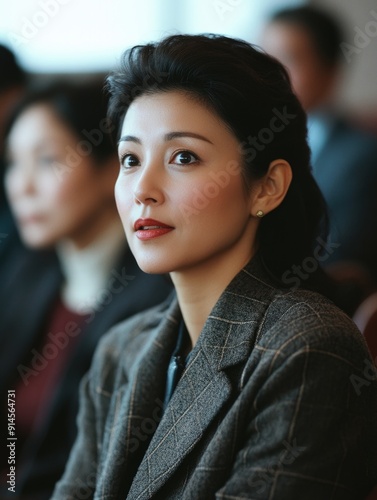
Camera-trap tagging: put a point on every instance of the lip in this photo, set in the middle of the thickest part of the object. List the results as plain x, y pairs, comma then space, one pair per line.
147, 229
30, 219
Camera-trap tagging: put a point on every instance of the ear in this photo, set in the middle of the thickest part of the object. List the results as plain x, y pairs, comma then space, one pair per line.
270, 191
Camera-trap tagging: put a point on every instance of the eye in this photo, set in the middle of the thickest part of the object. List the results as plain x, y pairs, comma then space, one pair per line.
47, 160
129, 160
185, 158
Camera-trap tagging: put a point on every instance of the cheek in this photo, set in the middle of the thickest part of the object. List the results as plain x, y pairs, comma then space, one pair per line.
72, 187
213, 204
56, 194
122, 197
63, 199
10, 185
229, 203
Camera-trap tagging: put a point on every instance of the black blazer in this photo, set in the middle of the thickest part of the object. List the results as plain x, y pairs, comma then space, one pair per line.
30, 285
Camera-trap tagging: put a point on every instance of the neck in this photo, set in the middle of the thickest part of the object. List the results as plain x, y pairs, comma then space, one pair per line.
199, 289
87, 269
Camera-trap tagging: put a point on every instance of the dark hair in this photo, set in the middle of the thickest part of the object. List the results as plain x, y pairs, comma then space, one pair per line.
324, 31
81, 107
11, 72
251, 92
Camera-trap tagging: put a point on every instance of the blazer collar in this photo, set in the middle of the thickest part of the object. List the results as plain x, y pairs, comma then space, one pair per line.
232, 327
227, 339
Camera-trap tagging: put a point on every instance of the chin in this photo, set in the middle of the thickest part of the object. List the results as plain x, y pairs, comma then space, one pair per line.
154, 269
35, 241
153, 266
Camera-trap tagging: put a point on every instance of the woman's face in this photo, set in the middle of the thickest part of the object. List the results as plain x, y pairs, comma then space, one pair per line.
54, 191
180, 191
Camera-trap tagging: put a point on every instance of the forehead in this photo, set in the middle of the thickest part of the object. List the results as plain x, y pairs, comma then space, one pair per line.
169, 111
283, 39
37, 124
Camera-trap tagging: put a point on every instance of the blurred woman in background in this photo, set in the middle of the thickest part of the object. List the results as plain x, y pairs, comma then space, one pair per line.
61, 170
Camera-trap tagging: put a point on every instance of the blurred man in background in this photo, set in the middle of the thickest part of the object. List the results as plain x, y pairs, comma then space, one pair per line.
308, 42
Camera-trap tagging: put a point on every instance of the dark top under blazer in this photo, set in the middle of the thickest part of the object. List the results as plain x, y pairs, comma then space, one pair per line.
268, 406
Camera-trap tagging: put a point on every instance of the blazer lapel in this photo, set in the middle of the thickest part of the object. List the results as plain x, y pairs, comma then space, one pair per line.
205, 387
190, 411
137, 408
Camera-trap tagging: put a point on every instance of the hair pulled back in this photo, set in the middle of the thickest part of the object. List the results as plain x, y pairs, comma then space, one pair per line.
251, 92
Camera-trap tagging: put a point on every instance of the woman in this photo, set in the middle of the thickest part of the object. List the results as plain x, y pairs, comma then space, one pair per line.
75, 279
243, 386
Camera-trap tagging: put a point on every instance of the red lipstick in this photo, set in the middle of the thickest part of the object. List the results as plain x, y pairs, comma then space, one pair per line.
147, 229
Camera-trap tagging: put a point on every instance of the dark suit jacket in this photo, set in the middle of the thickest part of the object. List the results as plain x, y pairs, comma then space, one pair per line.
270, 405
346, 172
30, 285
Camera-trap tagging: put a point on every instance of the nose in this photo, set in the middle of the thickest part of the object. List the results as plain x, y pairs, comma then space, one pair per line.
148, 188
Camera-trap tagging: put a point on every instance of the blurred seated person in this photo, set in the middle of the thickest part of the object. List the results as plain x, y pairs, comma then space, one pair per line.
80, 277
344, 158
13, 80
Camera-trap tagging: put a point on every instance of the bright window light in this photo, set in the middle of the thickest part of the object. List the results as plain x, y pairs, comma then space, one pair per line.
89, 35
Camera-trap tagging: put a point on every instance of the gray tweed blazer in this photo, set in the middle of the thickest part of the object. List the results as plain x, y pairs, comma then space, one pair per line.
278, 401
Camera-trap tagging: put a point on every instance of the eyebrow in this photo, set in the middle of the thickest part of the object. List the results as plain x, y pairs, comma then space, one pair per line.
168, 137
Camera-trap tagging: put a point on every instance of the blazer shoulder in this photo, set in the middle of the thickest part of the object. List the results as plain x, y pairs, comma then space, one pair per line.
302, 319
